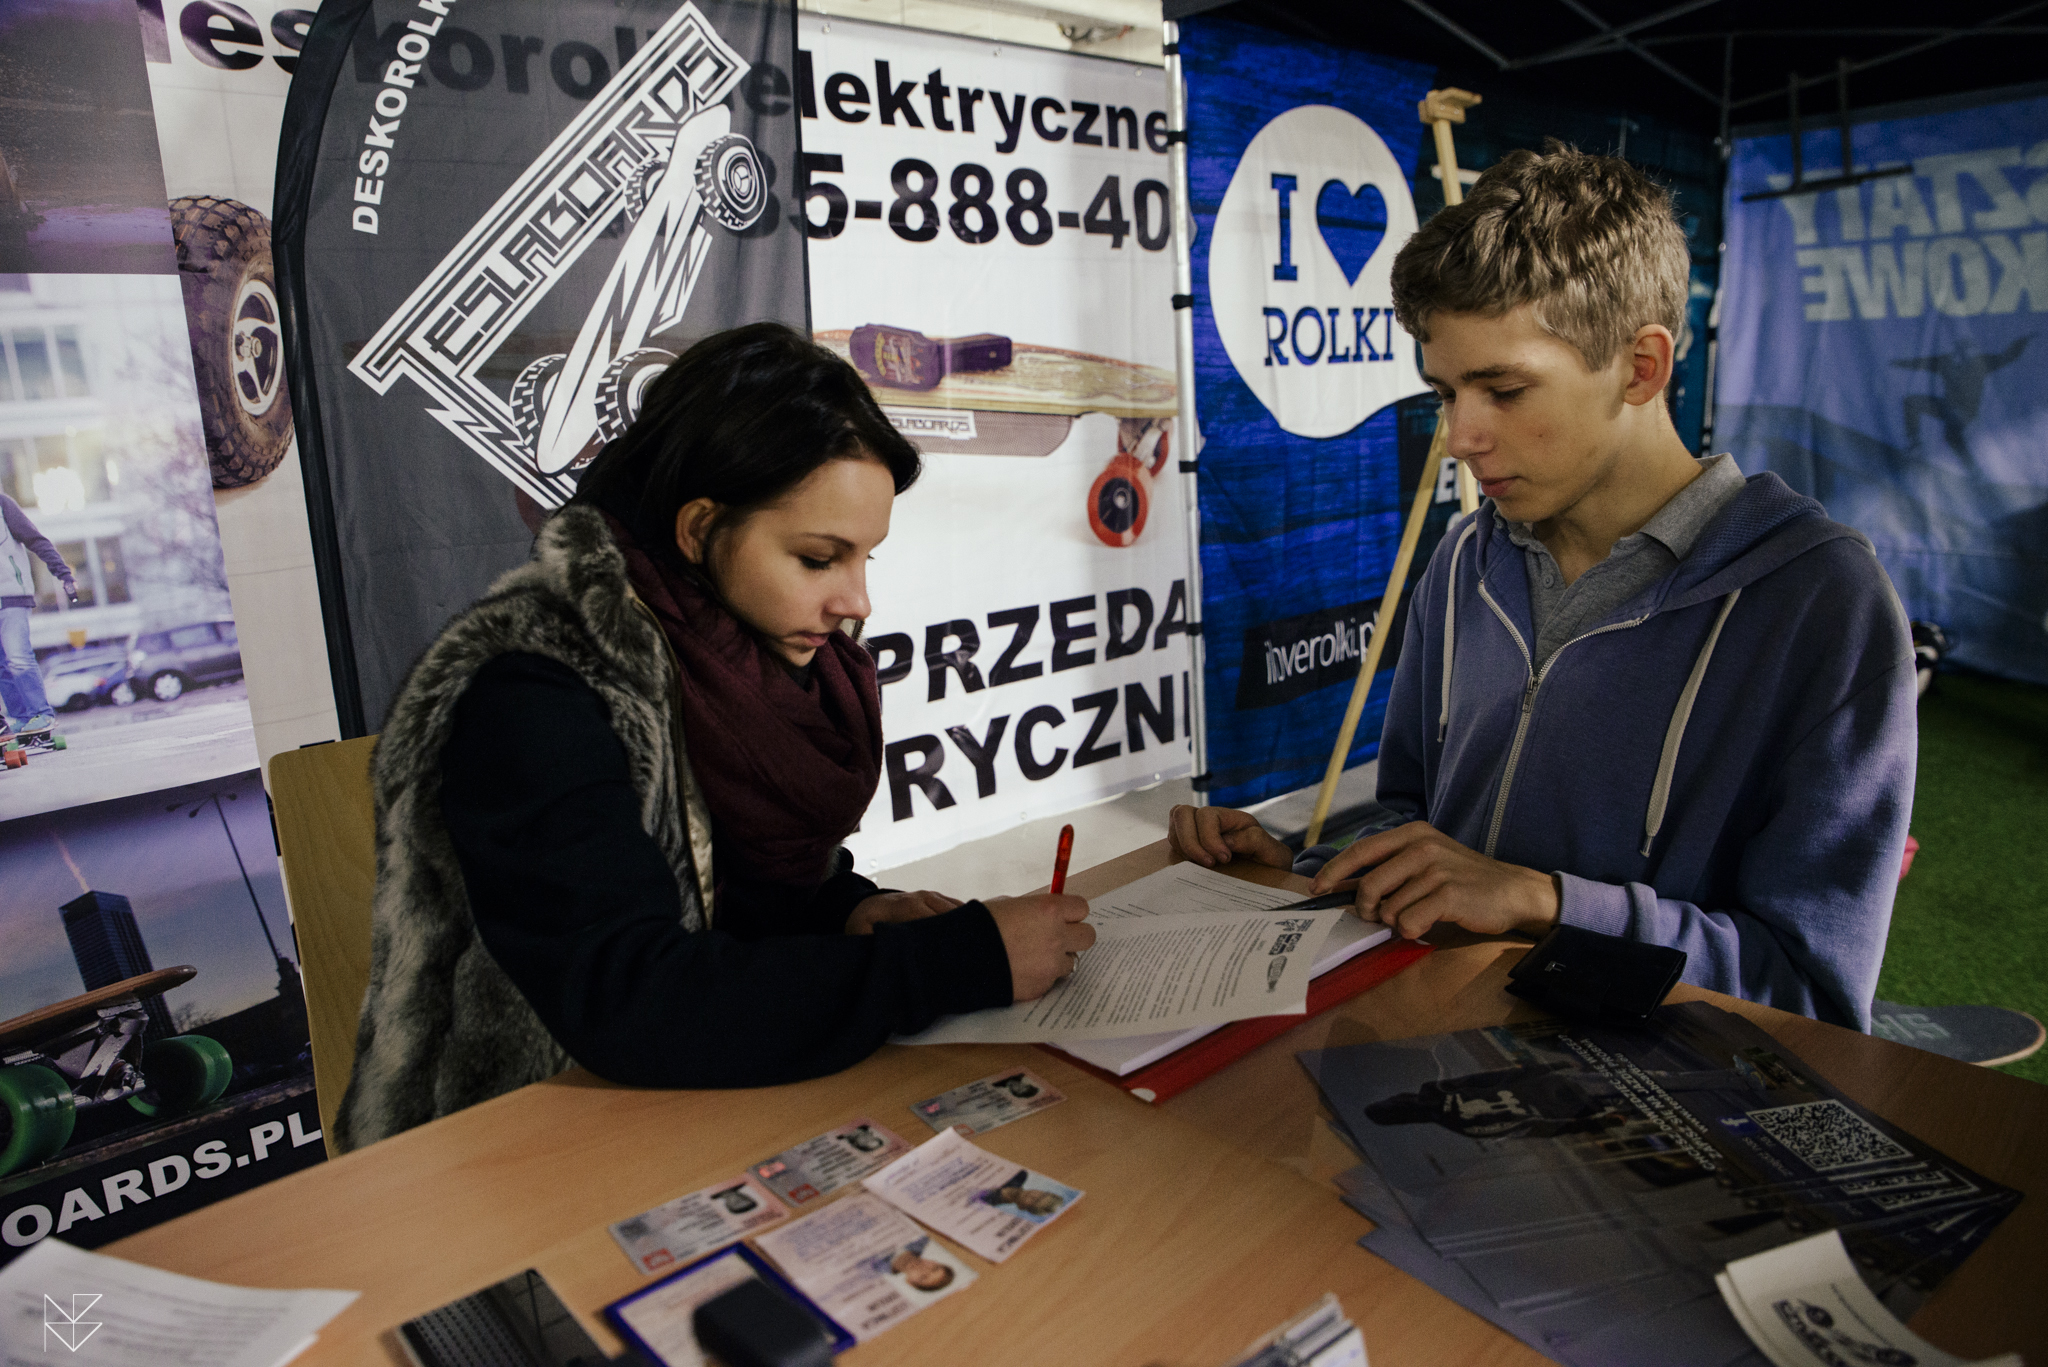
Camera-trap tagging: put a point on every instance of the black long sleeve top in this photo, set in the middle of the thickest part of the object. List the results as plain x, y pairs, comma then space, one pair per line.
577, 904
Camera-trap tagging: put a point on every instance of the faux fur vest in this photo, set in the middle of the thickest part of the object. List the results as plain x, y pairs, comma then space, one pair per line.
442, 1026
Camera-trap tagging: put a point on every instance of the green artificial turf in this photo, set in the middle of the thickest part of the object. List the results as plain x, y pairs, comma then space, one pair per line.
1971, 921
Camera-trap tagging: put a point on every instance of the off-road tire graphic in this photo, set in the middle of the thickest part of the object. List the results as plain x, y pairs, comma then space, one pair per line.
624, 386
732, 181
530, 395
231, 314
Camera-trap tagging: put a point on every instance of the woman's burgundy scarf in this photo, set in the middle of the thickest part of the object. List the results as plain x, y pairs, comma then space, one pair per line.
786, 770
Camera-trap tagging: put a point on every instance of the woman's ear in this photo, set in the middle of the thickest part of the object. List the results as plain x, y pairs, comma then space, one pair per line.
693, 528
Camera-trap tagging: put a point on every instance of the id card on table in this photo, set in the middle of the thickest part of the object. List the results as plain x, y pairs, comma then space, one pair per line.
818, 1167
991, 1101
676, 1231
968, 1194
865, 1264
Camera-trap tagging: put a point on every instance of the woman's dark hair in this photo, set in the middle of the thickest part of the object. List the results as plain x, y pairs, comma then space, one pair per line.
741, 418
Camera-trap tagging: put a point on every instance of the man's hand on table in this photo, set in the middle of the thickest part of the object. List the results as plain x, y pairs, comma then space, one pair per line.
1211, 836
1415, 876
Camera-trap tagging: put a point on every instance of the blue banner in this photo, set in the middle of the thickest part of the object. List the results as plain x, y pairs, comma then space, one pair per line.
1300, 166
1882, 348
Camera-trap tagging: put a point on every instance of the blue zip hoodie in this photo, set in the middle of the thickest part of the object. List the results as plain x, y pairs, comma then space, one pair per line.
1723, 765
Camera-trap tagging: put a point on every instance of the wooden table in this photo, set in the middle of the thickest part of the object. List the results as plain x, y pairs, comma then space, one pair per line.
1989, 1121
1207, 1221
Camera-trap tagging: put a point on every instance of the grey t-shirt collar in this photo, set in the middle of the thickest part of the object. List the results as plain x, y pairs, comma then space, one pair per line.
1677, 525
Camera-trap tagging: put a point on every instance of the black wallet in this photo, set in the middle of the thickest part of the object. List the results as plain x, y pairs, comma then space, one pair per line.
1593, 977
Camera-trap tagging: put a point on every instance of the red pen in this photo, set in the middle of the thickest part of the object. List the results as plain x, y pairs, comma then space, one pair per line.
1059, 862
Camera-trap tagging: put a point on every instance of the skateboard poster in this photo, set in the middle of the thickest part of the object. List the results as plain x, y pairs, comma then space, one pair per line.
498, 222
120, 657
988, 236
218, 80
1300, 159
153, 1036
1914, 302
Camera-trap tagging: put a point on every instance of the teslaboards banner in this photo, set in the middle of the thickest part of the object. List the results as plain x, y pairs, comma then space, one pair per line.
500, 219
1299, 167
1882, 349
989, 233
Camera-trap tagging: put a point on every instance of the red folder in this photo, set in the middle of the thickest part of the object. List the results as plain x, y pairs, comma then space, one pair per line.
1183, 1068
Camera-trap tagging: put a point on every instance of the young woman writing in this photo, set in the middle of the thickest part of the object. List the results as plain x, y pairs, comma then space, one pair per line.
610, 797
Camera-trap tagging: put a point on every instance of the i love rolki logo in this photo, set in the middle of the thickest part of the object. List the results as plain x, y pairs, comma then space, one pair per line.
71, 1329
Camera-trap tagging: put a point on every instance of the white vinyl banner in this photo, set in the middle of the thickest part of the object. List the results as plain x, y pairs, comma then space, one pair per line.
989, 229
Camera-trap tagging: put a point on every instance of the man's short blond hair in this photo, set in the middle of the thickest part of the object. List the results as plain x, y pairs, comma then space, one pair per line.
1592, 242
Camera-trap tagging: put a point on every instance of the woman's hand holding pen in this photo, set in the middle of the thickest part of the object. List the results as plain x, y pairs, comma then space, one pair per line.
1042, 934
1415, 876
883, 907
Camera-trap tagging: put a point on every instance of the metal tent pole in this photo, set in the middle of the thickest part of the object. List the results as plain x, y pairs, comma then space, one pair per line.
1190, 440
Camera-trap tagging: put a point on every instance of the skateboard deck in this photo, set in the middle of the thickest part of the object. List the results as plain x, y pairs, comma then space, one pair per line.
1039, 379
58, 1017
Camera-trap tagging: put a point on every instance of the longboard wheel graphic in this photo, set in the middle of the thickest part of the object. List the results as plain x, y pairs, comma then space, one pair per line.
1120, 501
732, 182
37, 1112
640, 186
1121, 498
530, 395
182, 1074
624, 388
14, 759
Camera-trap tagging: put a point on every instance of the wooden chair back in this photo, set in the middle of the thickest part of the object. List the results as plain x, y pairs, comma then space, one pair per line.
327, 838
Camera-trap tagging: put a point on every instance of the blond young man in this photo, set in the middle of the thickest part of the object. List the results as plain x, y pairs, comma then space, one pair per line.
1638, 693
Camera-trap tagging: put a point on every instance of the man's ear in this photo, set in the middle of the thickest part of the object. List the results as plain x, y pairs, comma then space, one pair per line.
1652, 356
693, 527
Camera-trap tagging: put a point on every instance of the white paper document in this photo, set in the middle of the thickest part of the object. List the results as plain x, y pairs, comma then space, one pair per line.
1805, 1305
968, 1194
1179, 949
865, 1264
59, 1303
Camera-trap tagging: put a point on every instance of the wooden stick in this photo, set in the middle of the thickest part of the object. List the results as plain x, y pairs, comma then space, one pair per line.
1440, 109
1390, 602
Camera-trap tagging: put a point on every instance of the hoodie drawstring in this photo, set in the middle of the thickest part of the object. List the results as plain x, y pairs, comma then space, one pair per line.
1443, 716
1674, 734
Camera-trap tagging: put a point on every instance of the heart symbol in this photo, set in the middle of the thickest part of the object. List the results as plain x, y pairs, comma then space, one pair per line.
1352, 224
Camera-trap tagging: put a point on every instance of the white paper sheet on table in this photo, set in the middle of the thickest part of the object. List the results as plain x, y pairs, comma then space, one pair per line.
123, 1314
1805, 1305
1179, 949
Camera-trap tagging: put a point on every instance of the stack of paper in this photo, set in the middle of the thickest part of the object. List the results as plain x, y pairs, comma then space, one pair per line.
1177, 954
59, 1303
1581, 1186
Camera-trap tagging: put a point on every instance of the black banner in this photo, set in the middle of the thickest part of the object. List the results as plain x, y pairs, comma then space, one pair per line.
497, 220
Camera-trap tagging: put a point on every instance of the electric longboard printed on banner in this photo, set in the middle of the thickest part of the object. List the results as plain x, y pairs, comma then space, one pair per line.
988, 395
91, 1050
656, 145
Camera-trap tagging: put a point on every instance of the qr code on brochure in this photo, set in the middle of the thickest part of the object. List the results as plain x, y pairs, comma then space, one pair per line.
1827, 1135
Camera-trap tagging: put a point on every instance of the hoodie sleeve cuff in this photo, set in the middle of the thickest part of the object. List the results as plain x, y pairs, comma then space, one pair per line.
1593, 906
956, 959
